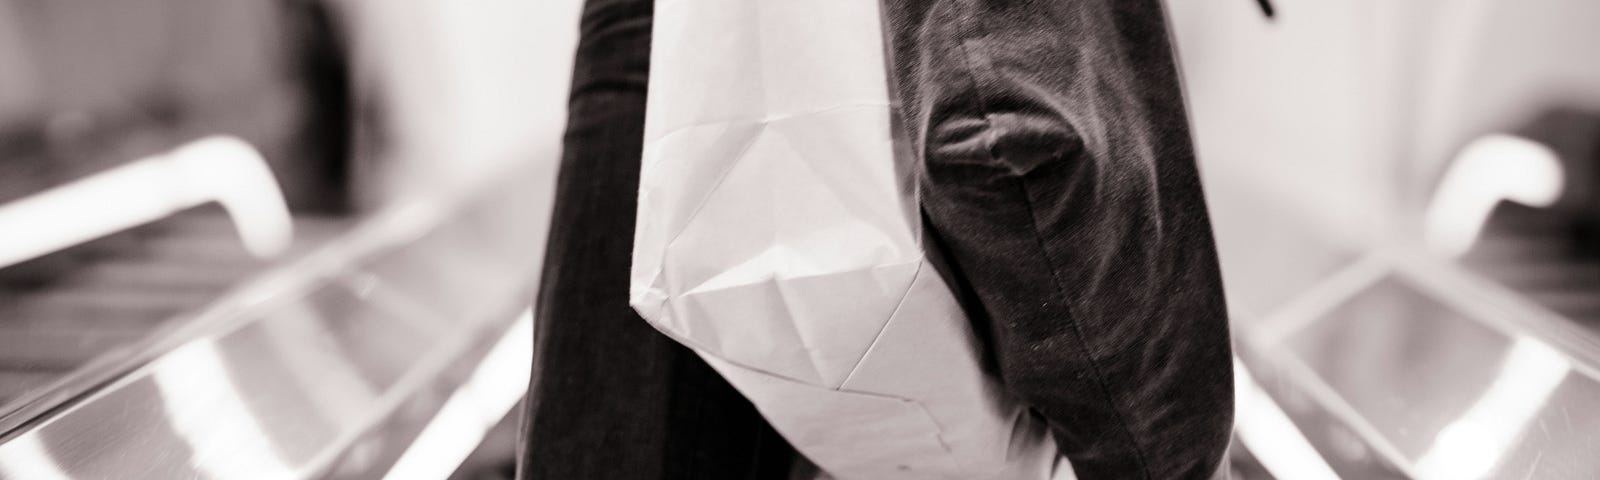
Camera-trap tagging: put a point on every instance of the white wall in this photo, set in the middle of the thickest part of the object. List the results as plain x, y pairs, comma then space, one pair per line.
1288, 109
1343, 112
471, 83
1495, 63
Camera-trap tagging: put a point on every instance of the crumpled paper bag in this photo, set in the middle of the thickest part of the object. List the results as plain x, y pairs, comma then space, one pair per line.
778, 237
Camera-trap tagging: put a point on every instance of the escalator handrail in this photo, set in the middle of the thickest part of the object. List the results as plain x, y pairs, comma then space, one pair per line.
218, 169
392, 226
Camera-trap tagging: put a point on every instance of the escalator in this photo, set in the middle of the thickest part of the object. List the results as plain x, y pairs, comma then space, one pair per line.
380, 343
1405, 362
177, 354
181, 341
135, 286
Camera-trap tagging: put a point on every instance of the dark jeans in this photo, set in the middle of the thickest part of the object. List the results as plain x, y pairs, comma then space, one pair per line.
611, 398
1059, 181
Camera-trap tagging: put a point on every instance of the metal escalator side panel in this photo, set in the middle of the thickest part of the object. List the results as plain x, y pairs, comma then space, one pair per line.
312, 369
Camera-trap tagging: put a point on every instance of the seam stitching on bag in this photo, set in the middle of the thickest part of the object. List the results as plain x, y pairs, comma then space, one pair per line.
970, 60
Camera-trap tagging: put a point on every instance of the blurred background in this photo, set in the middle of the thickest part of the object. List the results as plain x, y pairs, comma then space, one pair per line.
1405, 196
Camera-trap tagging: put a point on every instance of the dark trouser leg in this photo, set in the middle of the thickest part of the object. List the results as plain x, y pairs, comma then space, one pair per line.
1060, 181
611, 397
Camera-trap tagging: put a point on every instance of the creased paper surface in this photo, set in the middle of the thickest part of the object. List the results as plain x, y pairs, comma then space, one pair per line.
776, 238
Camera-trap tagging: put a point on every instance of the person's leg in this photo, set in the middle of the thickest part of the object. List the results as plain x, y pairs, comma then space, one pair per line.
1060, 181
611, 397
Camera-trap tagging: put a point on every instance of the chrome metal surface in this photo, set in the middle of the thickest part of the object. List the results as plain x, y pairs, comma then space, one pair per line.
1429, 372
1394, 363
1449, 395
291, 375
65, 334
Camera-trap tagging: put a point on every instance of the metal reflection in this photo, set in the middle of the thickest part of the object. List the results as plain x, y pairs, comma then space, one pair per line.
1266, 430
1490, 170
26, 457
205, 408
470, 412
1433, 383
318, 364
322, 368
1471, 446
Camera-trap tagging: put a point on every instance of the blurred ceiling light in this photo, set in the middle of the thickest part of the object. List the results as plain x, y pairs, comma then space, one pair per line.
1489, 170
221, 169
1266, 430
1470, 447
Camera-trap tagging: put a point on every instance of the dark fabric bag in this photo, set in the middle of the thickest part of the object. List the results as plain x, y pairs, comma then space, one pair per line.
1060, 181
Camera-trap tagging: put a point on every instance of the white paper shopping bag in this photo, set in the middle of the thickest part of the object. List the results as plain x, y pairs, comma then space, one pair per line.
778, 238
